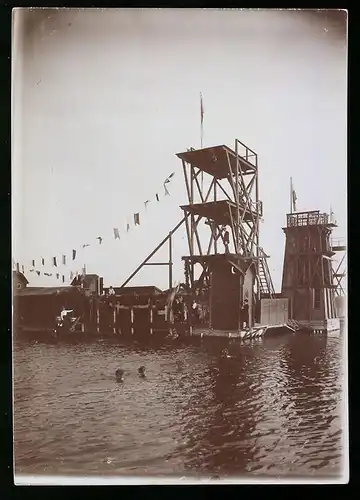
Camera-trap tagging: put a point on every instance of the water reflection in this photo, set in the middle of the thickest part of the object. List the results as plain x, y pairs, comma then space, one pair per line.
271, 408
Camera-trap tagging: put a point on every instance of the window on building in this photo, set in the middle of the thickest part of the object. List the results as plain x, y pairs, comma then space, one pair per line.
317, 298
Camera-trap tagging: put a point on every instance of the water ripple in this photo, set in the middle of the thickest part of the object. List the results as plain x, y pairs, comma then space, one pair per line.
272, 409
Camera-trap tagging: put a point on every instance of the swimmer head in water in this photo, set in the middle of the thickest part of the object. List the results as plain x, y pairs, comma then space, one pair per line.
141, 371
119, 374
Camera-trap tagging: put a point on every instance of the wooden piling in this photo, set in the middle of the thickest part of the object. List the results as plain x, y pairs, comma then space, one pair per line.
132, 320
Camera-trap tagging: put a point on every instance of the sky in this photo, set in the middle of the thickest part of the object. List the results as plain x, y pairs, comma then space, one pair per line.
104, 99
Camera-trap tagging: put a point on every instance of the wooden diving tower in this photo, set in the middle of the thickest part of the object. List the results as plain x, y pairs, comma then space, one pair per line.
308, 276
222, 223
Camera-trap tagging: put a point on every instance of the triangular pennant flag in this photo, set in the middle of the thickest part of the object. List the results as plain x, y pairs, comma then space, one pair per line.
166, 191
157, 197
43, 261
38, 273
54, 261
100, 239
146, 203
33, 263
116, 233
64, 260
73, 254
137, 219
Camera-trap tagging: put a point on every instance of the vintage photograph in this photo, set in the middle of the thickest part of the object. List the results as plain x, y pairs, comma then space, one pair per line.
179, 241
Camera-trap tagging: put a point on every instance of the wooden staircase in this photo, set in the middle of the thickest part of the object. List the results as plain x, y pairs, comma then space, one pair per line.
264, 278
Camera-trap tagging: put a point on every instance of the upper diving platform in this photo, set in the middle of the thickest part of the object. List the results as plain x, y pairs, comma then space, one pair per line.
224, 211
220, 161
311, 218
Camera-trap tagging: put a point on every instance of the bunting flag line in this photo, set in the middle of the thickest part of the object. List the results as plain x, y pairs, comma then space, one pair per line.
64, 258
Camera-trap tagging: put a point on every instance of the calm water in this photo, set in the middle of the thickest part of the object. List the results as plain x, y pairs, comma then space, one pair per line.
274, 408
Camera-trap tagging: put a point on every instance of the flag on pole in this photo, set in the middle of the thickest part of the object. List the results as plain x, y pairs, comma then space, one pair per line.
157, 197
54, 261
137, 219
73, 254
201, 133
100, 239
294, 198
33, 263
201, 109
116, 233
42, 261
63, 278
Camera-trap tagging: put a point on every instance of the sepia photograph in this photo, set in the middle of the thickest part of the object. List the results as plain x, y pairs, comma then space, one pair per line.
179, 246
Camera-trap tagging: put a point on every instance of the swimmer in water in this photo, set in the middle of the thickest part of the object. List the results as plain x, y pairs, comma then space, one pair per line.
119, 374
141, 372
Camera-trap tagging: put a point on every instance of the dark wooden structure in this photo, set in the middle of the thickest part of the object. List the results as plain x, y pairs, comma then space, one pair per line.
19, 281
222, 224
307, 272
36, 308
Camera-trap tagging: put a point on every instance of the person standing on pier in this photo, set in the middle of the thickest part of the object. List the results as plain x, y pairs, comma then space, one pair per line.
245, 313
226, 239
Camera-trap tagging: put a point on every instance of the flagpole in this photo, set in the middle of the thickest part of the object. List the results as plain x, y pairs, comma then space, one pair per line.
201, 134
